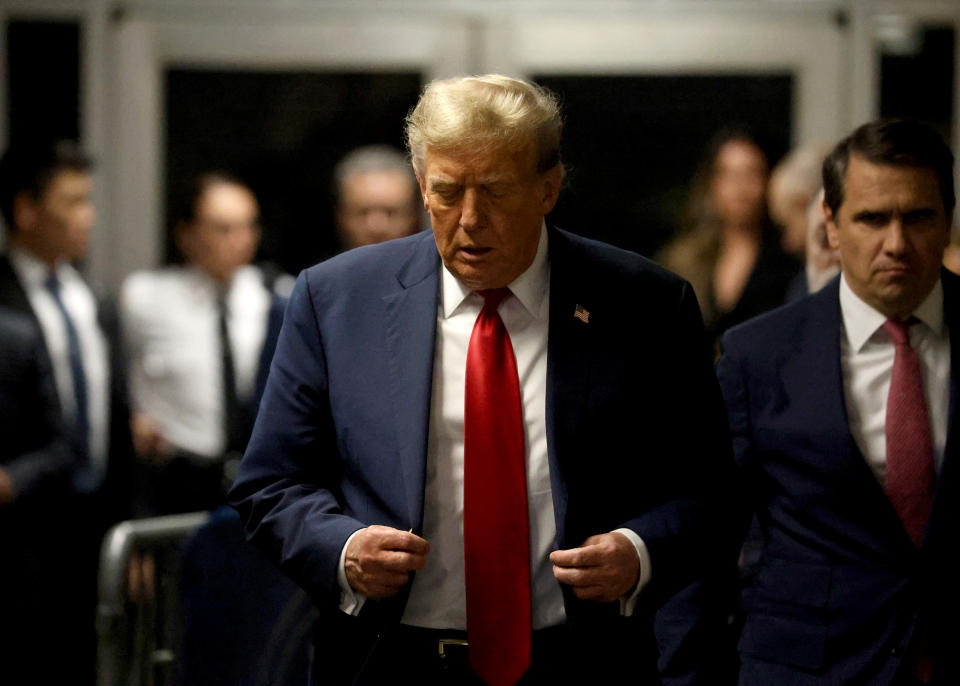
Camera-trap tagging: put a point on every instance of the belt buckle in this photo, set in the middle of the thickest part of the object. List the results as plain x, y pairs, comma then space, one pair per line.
444, 643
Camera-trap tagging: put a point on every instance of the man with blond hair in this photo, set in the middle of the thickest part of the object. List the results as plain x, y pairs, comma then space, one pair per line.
474, 449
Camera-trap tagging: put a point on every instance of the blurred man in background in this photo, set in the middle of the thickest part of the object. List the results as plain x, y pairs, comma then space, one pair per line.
45, 200
822, 259
793, 184
951, 256
201, 336
377, 196
36, 466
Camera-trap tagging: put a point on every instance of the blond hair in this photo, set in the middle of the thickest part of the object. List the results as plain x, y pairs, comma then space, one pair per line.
483, 113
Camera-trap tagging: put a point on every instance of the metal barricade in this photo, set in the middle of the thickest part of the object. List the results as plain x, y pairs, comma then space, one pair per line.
138, 627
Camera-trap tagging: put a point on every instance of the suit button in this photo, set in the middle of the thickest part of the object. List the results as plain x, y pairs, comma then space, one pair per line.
897, 652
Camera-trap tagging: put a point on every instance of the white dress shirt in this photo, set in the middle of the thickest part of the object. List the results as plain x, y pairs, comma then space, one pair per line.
866, 354
171, 323
81, 305
437, 595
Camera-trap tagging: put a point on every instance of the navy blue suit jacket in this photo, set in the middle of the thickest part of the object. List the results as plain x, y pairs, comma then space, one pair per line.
839, 585
114, 494
636, 430
36, 453
33, 446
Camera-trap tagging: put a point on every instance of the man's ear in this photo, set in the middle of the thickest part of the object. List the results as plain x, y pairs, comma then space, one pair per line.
832, 234
552, 182
25, 211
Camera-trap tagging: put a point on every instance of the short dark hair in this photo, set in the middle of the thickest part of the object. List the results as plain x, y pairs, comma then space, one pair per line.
31, 167
898, 142
185, 202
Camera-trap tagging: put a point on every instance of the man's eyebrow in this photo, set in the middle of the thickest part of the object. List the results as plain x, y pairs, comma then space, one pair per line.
913, 212
440, 181
497, 179
871, 214
921, 212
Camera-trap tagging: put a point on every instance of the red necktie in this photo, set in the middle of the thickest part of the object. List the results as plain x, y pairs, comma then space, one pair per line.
495, 528
910, 476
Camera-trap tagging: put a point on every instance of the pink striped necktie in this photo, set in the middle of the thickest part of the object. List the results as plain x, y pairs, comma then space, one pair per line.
910, 477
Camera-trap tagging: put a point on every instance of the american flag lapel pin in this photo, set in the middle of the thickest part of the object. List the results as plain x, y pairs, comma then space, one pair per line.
582, 314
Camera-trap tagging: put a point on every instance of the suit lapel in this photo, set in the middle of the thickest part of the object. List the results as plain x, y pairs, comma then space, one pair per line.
816, 384
568, 364
12, 294
411, 324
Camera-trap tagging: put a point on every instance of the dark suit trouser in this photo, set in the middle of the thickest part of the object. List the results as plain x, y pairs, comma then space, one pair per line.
401, 654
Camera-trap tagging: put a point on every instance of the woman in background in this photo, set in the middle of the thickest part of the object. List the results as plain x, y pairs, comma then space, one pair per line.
729, 250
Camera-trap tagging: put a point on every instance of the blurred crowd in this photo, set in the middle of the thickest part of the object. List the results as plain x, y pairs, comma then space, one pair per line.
140, 406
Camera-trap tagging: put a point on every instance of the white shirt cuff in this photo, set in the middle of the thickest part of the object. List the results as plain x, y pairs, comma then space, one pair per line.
352, 601
628, 603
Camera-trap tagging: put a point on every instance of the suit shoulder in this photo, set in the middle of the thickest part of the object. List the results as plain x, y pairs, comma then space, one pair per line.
371, 263
610, 261
780, 327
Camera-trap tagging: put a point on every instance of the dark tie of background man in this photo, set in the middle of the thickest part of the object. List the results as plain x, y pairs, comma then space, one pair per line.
85, 480
232, 415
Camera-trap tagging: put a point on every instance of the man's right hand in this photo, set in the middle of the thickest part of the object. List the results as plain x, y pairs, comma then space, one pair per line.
379, 560
148, 443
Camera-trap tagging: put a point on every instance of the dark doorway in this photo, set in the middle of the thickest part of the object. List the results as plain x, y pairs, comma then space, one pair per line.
43, 93
632, 143
282, 132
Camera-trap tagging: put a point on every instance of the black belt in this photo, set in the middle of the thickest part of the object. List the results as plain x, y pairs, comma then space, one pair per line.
449, 646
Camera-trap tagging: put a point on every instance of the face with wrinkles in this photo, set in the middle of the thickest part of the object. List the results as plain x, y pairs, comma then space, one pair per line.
891, 231
486, 211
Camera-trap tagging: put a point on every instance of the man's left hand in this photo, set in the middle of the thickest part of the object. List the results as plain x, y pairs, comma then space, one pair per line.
604, 568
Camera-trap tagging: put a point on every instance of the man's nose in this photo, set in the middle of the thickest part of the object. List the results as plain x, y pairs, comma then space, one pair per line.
470, 212
88, 216
895, 240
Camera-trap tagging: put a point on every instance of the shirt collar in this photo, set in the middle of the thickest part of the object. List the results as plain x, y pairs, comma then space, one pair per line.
529, 288
33, 271
205, 285
861, 321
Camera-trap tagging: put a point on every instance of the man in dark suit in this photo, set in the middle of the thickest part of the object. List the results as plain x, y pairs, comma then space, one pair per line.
36, 466
843, 412
466, 497
45, 202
